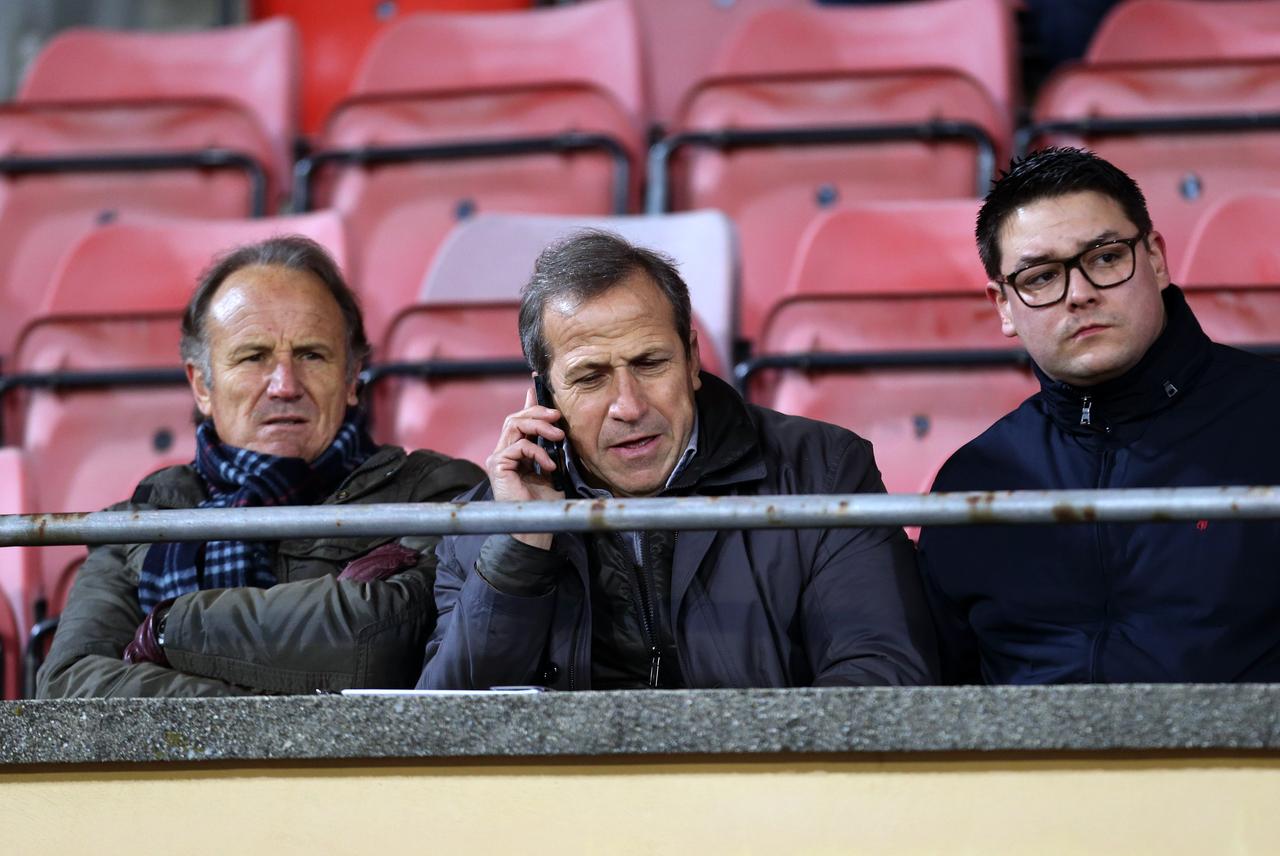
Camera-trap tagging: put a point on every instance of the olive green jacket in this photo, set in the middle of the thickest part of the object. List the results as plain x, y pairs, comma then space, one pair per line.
310, 631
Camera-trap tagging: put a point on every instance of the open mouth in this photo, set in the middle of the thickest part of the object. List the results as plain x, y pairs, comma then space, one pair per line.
637, 446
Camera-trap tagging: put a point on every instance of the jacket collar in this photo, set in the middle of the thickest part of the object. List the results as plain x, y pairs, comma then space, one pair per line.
1163, 375
728, 449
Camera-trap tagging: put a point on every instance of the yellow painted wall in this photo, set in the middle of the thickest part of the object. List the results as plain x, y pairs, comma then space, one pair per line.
956, 805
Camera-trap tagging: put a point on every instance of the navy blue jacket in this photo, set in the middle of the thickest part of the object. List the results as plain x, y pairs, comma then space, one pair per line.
750, 608
1148, 602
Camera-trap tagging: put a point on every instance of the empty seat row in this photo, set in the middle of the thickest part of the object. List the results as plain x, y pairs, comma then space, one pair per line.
533, 111
800, 110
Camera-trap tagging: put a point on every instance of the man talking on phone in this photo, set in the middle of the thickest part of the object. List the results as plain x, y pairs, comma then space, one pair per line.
607, 328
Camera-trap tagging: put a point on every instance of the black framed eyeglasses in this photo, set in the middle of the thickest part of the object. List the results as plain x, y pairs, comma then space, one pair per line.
1104, 265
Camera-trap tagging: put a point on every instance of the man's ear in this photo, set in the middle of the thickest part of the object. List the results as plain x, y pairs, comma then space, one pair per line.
1158, 257
353, 391
199, 389
999, 298
695, 360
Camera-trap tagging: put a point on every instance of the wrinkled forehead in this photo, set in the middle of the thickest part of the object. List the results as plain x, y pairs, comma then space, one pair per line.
634, 300
277, 302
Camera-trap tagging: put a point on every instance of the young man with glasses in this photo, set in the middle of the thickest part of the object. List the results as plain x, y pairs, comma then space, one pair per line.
1133, 395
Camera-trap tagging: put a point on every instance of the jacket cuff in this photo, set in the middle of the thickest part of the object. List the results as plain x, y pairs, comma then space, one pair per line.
514, 568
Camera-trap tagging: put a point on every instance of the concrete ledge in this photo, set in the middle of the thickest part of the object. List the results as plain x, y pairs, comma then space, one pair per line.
1170, 717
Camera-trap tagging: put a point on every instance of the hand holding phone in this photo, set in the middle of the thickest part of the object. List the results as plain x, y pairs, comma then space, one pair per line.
555, 449
528, 439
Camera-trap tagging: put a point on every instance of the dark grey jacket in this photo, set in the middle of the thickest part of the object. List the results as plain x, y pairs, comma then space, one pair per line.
308, 632
759, 608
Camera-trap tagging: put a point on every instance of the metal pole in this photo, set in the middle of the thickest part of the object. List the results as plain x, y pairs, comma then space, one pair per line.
760, 512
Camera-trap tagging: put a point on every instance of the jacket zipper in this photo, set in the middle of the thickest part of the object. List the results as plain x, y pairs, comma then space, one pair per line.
573, 658
647, 616
1086, 410
1104, 475
574, 642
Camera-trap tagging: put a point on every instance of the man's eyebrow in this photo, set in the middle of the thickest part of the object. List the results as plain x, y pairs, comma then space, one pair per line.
656, 352
1103, 237
585, 366
597, 364
317, 345
250, 346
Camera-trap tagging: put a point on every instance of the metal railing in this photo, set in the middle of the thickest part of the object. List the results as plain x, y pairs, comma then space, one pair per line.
562, 143
104, 162
1132, 126
1130, 505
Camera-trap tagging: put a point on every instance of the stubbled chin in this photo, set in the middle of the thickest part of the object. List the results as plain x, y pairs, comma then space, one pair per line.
283, 446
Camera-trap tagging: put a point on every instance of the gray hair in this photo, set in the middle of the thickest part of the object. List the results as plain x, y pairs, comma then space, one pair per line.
585, 265
293, 252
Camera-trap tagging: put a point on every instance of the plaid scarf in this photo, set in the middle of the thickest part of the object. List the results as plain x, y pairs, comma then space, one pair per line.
240, 478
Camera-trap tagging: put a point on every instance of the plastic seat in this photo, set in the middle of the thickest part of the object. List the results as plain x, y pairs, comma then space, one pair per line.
1164, 30
458, 414
20, 582
1190, 135
1232, 271
822, 107
11, 655
897, 292
42, 213
531, 111
108, 312
334, 37
681, 40
176, 253
596, 43
254, 67
977, 38
491, 256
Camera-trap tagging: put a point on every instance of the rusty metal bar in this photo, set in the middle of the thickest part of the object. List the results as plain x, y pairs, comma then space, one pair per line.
688, 513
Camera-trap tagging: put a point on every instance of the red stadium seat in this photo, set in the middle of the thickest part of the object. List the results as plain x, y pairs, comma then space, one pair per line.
491, 256
459, 416
1237, 242
1232, 270
1165, 30
42, 213
507, 116
596, 43
976, 38
887, 331
461, 413
20, 582
176, 252
91, 446
109, 312
11, 655
821, 107
681, 40
1190, 135
335, 35
255, 67
113, 123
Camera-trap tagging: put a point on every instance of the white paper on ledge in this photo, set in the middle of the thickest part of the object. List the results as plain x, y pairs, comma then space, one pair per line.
493, 691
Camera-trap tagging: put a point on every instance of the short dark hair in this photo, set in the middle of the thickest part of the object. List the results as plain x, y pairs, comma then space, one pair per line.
294, 252
587, 264
1050, 172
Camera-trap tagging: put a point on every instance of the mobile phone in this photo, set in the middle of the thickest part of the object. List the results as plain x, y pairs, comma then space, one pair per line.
553, 448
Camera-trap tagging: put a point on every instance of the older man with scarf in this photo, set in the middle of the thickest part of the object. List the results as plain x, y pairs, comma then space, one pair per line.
272, 341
